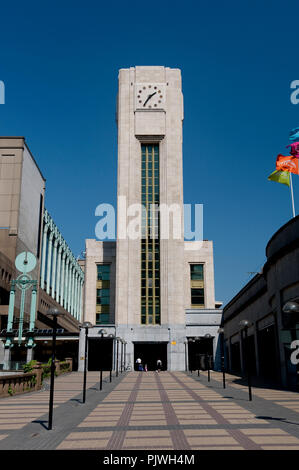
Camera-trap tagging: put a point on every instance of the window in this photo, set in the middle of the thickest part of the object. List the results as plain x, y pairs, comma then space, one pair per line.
197, 285
103, 293
196, 272
102, 318
150, 264
103, 272
197, 297
103, 296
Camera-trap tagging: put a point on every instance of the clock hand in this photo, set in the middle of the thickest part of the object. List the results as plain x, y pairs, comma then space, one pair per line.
149, 97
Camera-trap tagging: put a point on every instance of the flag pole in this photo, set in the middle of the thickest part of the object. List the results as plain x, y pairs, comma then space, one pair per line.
292, 195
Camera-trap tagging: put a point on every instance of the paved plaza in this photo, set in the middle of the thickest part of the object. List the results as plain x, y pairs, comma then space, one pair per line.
152, 411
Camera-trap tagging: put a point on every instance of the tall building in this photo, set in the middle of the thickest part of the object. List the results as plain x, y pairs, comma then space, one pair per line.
270, 304
151, 288
26, 226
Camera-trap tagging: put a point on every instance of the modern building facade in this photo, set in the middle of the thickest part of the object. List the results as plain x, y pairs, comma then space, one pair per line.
150, 287
26, 226
261, 301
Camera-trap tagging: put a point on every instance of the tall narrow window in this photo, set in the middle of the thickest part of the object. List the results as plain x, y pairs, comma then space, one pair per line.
150, 242
197, 285
103, 293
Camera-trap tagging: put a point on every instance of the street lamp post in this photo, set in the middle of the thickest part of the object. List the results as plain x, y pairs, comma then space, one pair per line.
103, 332
54, 312
245, 324
117, 341
86, 325
121, 355
208, 336
112, 337
125, 348
186, 364
197, 356
190, 340
221, 333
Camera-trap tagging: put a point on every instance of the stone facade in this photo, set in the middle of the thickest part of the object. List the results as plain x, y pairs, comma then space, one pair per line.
261, 302
143, 118
24, 226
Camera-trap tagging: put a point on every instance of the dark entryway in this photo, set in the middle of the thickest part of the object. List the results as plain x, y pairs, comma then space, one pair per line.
100, 352
249, 357
149, 353
66, 348
199, 352
268, 353
235, 357
18, 353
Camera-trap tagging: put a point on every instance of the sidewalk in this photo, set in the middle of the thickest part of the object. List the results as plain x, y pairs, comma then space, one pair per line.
20, 410
139, 410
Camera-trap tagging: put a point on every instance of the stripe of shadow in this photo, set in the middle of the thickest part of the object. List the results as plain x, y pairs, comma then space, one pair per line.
178, 437
235, 433
117, 439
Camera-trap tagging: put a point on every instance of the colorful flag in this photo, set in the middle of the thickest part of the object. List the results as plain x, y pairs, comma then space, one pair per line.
294, 134
294, 149
280, 177
287, 163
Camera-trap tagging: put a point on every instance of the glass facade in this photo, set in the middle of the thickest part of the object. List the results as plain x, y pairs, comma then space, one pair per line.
103, 293
150, 242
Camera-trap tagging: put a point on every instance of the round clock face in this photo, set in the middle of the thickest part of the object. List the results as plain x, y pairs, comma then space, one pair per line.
150, 95
25, 262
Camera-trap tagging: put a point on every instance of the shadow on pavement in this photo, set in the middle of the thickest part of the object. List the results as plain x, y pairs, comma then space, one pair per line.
270, 418
44, 424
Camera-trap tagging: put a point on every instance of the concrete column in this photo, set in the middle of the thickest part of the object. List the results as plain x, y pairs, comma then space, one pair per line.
54, 267
30, 355
73, 291
49, 262
7, 358
80, 300
43, 266
70, 287
62, 290
81, 350
229, 354
58, 273
257, 362
241, 336
76, 295
66, 283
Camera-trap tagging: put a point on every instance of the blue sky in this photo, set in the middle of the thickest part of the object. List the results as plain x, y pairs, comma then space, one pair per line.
60, 59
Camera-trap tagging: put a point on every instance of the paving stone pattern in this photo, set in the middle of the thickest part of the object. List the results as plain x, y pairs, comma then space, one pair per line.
151, 410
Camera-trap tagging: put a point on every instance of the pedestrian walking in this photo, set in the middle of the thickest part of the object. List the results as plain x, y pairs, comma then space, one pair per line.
139, 364
159, 365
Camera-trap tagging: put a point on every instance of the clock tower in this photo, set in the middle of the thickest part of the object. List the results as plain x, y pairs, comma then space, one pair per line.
150, 292
149, 300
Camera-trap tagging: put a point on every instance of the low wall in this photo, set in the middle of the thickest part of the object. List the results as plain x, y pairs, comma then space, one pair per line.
14, 384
